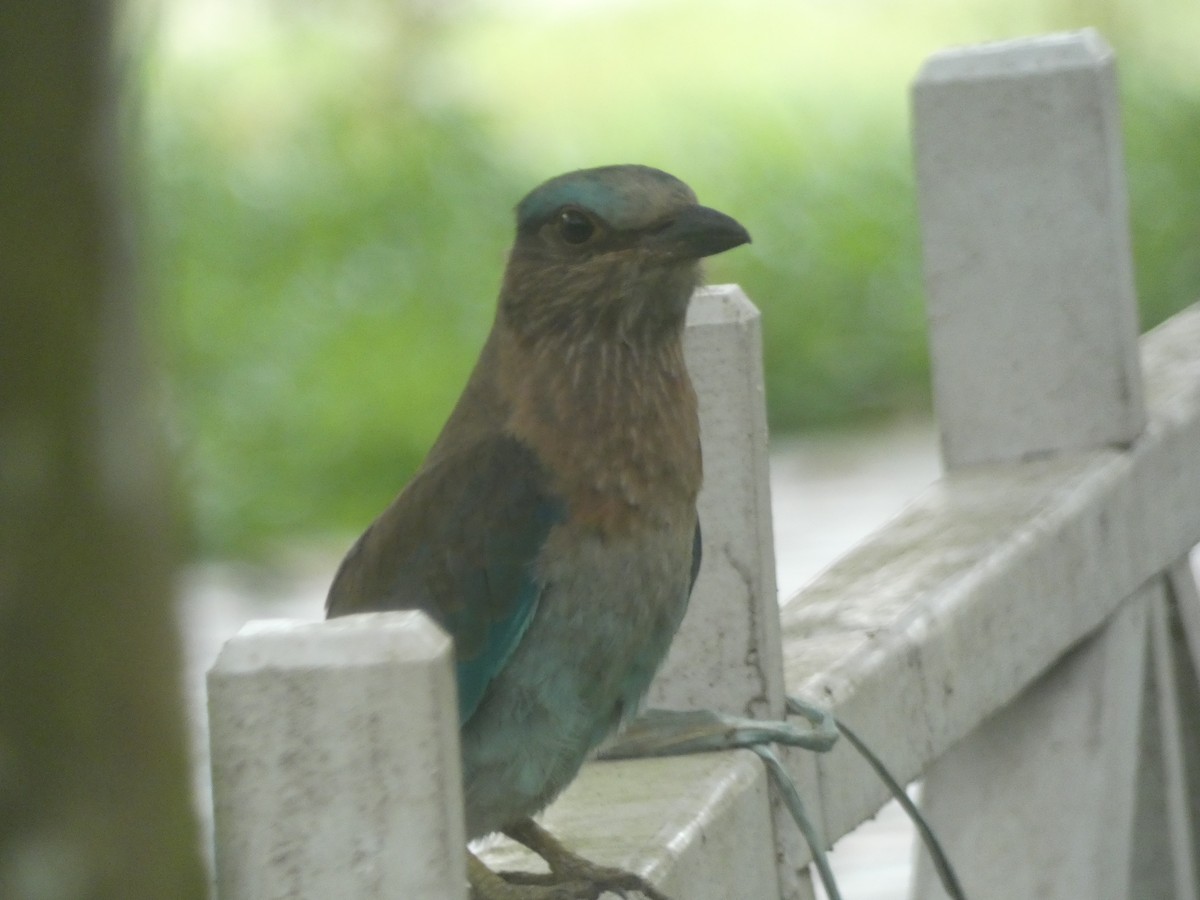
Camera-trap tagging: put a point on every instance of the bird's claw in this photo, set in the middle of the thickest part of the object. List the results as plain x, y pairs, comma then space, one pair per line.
571, 877
489, 885
553, 886
589, 883
520, 890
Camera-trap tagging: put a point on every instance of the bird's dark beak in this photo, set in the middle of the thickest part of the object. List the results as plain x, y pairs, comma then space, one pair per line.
699, 231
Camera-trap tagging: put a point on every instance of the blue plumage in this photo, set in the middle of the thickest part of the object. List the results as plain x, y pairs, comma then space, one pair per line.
459, 543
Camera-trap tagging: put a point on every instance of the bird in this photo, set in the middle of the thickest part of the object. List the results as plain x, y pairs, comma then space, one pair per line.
552, 528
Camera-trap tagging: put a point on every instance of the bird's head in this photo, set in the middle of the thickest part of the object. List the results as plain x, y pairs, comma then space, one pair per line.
610, 252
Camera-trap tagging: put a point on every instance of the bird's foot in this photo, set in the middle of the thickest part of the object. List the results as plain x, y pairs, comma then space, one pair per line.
571, 877
489, 885
590, 883
590, 880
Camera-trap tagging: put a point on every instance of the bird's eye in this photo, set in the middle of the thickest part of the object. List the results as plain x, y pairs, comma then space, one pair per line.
574, 227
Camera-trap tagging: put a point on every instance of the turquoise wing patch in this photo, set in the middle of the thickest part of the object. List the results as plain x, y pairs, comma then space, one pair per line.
461, 543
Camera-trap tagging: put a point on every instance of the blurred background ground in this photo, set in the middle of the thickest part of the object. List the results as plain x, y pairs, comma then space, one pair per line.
326, 195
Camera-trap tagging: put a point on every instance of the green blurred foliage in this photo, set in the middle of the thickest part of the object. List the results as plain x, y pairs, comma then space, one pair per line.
326, 256
330, 192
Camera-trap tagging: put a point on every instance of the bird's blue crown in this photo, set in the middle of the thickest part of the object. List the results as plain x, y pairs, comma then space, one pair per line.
625, 196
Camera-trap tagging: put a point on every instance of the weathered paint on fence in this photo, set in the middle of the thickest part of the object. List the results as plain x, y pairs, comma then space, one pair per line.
335, 761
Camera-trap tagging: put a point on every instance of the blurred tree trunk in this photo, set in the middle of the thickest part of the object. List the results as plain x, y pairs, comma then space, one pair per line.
94, 798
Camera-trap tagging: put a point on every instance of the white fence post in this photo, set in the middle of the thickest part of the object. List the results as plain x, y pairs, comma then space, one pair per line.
1165, 838
1028, 270
727, 654
1032, 326
336, 762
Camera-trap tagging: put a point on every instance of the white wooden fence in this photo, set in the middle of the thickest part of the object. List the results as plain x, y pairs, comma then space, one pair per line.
1026, 634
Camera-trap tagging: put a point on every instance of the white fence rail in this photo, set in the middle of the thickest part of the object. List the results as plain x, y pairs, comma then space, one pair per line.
1026, 633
